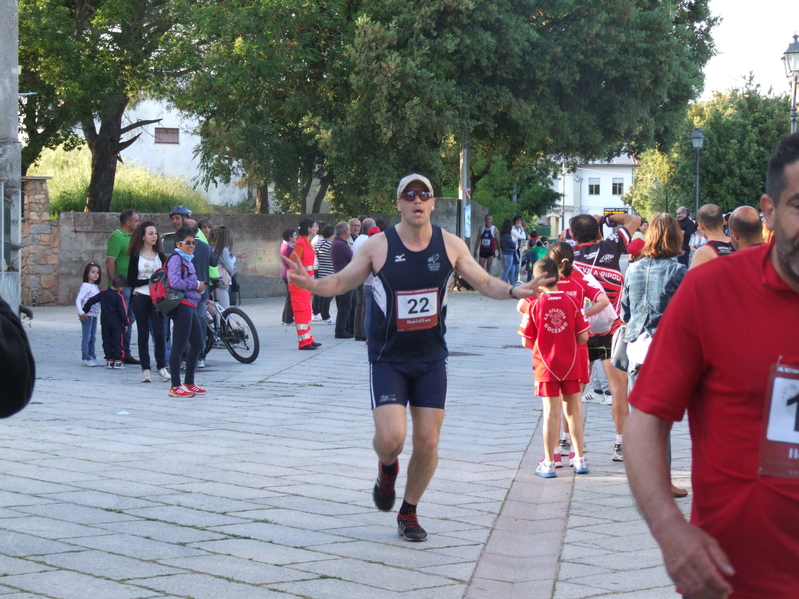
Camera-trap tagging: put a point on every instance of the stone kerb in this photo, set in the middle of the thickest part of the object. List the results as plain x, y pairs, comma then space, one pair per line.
40, 259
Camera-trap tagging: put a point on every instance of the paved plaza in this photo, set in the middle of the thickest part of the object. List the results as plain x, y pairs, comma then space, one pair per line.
110, 489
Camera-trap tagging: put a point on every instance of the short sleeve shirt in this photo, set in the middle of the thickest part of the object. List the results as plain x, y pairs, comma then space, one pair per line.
731, 320
118, 249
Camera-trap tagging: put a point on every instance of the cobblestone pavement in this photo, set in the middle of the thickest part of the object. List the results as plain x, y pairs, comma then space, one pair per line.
111, 489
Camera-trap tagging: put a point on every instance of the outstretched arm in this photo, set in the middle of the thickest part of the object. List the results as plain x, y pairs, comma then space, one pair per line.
478, 278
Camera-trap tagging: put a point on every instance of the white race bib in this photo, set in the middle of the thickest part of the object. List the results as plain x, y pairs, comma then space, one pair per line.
417, 310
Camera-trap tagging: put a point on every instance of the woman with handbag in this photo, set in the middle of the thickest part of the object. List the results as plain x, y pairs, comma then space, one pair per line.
185, 320
147, 256
649, 286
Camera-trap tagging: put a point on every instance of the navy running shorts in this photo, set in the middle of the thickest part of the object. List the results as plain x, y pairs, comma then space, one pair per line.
599, 347
420, 385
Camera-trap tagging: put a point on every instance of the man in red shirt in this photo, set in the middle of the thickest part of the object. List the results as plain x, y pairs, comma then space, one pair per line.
715, 355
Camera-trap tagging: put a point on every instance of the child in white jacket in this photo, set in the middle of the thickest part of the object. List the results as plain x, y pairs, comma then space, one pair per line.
89, 288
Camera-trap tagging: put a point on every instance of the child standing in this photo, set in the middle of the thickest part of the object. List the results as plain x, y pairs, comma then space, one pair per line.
555, 326
114, 321
89, 288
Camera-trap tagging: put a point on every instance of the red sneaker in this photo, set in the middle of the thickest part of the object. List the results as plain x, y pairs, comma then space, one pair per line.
194, 389
180, 392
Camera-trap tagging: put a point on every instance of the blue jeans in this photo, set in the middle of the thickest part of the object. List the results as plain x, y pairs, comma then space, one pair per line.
89, 330
507, 267
185, 331
126, 291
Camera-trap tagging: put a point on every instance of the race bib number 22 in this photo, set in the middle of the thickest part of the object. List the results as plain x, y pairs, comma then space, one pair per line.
417, 310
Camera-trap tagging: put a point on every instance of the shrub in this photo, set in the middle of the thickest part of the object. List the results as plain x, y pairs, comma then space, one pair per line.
135, 186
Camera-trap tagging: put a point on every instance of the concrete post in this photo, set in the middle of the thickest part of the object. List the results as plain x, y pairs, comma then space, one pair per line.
10, 160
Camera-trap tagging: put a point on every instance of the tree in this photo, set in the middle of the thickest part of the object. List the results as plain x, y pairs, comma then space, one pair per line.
741, 127
359, 94
87, 62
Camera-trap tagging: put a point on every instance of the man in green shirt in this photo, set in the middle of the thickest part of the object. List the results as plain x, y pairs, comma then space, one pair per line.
116, 263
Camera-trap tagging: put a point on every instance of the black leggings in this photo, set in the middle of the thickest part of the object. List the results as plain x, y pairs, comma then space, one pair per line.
185, 329
148, 317
288, 313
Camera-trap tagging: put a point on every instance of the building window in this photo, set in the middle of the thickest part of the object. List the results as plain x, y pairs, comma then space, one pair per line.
164, 135
618, 187
593, 187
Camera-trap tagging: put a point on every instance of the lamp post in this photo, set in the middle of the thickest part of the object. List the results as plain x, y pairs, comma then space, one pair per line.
790, 60
697, 141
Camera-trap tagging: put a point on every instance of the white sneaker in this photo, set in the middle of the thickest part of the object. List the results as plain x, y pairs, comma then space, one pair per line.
164, 374
329, 321
606, 400
145, 376
316, 317
593, 397
200, 364
579, 465
546, 470
89, 363
98, 362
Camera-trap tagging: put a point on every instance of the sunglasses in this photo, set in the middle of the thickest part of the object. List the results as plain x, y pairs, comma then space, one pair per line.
410, 195
187, 242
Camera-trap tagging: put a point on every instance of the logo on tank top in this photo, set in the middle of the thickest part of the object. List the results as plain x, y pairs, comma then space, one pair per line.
400, 258
432, 263
555, 320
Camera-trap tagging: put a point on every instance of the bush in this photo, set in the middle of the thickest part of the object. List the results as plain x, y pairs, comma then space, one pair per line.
135, 186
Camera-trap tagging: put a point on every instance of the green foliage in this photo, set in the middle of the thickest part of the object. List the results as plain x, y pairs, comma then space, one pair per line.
741, 128
135, 188
359, 94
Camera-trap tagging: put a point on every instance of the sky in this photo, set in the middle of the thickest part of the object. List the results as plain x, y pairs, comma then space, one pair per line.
751, 37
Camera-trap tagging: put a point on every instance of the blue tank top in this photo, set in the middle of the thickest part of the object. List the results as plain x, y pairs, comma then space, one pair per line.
409, 303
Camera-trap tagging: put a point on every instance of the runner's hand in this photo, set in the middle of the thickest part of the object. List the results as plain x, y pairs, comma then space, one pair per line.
532, 289
696, 562
296, 273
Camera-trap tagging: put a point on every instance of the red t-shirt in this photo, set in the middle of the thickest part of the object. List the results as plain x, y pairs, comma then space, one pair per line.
727, 324
578, 288
554, 323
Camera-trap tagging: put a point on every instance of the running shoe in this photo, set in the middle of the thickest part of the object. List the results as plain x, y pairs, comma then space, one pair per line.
97, 362
383, 494
565, 446
329, 321
180, 392
89, 363
145, 376
316, 318
546, 470
200, 364
558, 460
119, 365
194, 389
164, 374
409, 529
617, 455
109, 363
579, 465
593, 397
606, 400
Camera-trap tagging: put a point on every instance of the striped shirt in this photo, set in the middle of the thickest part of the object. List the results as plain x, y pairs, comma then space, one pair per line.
323, 256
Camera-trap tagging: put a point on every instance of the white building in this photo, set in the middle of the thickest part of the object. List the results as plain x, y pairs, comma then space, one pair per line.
592, 188
167, 147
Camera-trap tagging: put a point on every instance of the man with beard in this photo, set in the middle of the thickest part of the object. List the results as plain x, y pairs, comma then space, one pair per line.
736, 349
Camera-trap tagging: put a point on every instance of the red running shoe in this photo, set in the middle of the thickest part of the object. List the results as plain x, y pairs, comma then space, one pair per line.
194, 389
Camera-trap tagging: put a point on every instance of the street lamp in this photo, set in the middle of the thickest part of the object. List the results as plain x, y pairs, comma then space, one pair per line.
790, 60
697, 141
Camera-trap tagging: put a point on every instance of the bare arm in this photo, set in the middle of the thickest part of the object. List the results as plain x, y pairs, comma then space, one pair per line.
110, 268
602, 302
631, 222
694, 560
478, 278
582, 337
351, 277
702, 255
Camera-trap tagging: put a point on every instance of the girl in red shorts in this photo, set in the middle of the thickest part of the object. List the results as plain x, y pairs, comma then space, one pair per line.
553, 328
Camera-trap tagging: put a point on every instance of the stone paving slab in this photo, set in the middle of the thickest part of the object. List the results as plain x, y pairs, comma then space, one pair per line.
263, 487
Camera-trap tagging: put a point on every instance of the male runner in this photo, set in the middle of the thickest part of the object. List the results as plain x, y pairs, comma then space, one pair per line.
710, 222
412, 263
487, 243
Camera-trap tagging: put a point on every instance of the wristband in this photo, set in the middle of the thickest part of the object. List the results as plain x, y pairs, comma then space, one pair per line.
606, 220
512, 287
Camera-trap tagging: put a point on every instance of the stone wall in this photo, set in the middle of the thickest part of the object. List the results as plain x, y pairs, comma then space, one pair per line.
40, 257
81, 237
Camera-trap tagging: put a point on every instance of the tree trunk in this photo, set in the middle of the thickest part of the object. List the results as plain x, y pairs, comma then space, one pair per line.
324, 184
262, 199
105, 148
306, 189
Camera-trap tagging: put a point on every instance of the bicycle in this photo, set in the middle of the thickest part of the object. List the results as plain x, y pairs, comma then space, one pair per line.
231, 329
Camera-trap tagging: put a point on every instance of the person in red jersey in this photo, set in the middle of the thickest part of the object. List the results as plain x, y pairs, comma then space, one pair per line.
555, 326
726, 350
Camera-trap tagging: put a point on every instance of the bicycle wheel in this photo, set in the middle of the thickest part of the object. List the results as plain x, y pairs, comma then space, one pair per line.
240, 336
209, 338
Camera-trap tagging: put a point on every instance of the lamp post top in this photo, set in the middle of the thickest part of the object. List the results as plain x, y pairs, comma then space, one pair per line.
697, 139
791, 58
